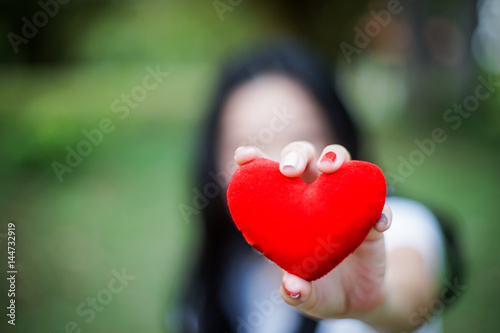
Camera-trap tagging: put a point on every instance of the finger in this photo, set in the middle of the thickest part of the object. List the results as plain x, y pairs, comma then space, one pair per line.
245, 154
332, 158
385, 220
310, 297
381, 225
294, 290
297, 160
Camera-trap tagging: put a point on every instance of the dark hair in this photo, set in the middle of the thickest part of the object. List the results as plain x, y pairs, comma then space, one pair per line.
202, 309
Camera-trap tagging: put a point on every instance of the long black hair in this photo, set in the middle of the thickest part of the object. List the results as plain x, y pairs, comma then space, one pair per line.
202, 309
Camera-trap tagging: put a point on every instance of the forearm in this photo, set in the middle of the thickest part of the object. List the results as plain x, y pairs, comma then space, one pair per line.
406, 289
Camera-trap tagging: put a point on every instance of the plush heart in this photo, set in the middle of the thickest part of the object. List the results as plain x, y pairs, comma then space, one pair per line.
306, 229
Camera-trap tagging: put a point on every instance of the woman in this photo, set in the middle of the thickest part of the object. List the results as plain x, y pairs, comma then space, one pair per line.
278, 102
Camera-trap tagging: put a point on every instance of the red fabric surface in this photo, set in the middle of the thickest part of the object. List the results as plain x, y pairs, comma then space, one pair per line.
306, 229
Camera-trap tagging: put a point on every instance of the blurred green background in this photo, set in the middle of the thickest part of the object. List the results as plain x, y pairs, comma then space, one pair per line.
118, 209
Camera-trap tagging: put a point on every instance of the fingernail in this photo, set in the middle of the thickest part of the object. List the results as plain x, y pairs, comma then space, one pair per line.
245, 151
292, 294
329, 157
383, 220
291, 160
240, 150
292, 288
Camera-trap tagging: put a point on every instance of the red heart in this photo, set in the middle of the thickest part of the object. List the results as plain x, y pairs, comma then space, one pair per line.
306, 229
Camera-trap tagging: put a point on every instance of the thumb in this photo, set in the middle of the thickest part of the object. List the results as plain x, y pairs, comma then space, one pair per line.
295, 290
321, 299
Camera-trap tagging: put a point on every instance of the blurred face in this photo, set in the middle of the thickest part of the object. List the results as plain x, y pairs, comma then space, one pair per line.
270, 112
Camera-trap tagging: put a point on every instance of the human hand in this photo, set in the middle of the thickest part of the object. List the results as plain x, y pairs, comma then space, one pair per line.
356, 286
